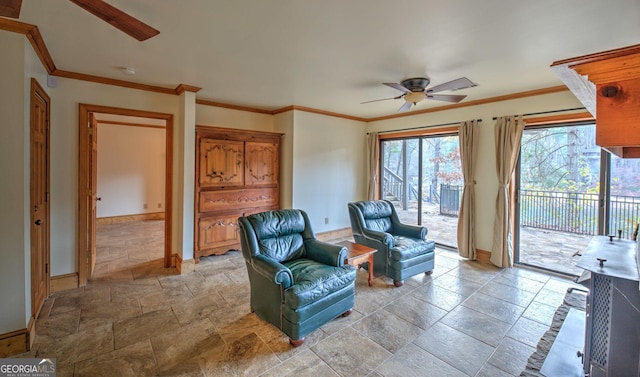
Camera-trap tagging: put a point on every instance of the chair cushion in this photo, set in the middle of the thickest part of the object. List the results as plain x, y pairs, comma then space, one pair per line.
376, 214
407, 248
283, 248
313, 280
279, 233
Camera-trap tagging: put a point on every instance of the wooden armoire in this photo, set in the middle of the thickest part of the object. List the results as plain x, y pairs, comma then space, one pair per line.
237, 174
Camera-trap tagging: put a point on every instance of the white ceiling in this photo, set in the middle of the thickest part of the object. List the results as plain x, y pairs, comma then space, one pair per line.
333, 54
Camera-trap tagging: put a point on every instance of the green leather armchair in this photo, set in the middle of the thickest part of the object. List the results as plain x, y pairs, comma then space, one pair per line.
403, 249
297, 282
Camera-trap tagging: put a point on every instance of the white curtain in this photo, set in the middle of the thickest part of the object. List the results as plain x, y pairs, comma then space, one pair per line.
508, 134
468, 139
374, 158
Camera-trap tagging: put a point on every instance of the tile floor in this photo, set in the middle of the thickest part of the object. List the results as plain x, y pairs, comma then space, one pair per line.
136, 318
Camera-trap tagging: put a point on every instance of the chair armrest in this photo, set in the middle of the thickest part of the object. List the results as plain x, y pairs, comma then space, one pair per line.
324, 252
271, 269
377, 236
411, 231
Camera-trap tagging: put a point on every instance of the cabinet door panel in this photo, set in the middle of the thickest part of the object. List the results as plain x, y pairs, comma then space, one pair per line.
238, 199
218, 231
262, 163
221, 163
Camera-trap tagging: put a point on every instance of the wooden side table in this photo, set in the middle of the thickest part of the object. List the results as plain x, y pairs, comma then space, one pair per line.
359, 254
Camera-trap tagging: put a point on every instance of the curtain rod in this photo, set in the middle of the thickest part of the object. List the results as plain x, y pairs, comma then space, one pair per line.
425, 127
549, 112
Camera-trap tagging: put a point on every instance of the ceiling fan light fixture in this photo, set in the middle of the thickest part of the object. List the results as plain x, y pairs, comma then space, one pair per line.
414, 97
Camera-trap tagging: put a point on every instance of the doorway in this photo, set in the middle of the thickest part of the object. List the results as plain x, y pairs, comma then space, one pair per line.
87, 188
39, 197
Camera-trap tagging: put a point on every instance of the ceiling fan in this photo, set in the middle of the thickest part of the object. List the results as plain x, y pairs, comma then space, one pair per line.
415, 90
110, 14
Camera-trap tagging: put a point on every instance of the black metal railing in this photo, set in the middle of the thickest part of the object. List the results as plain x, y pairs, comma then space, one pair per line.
574, 212
570, 212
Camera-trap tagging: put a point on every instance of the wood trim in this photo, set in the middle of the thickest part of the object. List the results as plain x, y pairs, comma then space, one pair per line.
507, 97
32, 32
15, 26
317, 111
35, 38
41, 50
452, 130
64, 282
186, 88
184, 266
82, 228
557, 119
483, 256
114, 82
15, 342
118, 123
233, 107
599, 56
130, 218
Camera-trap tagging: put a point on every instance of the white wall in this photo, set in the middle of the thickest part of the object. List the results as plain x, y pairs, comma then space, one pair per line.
244, 120
17, 66
13, 190
486, 178
131, 170
329, 168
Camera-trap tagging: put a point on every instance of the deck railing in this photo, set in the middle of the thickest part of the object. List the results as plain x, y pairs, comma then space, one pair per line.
570, 212
574, 212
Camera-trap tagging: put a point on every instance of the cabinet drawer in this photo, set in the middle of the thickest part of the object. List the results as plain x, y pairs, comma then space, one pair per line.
218, 231
210, 201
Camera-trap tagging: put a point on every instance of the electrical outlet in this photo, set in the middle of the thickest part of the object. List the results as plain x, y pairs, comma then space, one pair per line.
326, 220
144, 206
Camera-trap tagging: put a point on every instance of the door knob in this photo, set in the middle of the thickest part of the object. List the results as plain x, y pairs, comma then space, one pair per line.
38, 222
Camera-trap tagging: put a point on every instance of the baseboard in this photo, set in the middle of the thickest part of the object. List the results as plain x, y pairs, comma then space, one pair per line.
483, 256
31, 332
14, 343
334, 234
64, 282
183, 266
130, 218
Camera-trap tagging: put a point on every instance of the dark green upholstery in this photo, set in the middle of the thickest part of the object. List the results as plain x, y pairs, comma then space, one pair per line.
403, 250
297, 282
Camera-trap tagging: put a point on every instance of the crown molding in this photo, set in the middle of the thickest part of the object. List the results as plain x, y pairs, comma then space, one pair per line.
186, 88
34, 36
233, 107
506, 97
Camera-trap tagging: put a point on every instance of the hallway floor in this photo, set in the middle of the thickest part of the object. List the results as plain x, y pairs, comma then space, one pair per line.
137, 318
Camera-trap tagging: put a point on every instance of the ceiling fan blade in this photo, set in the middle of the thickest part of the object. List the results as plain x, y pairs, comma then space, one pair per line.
397, 86
383, 99
405, 107
10, 8
118, 19
446, 97
456, 84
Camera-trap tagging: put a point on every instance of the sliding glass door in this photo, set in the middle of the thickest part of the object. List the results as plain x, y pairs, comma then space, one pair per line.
568, 191
623, 204
422, 177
